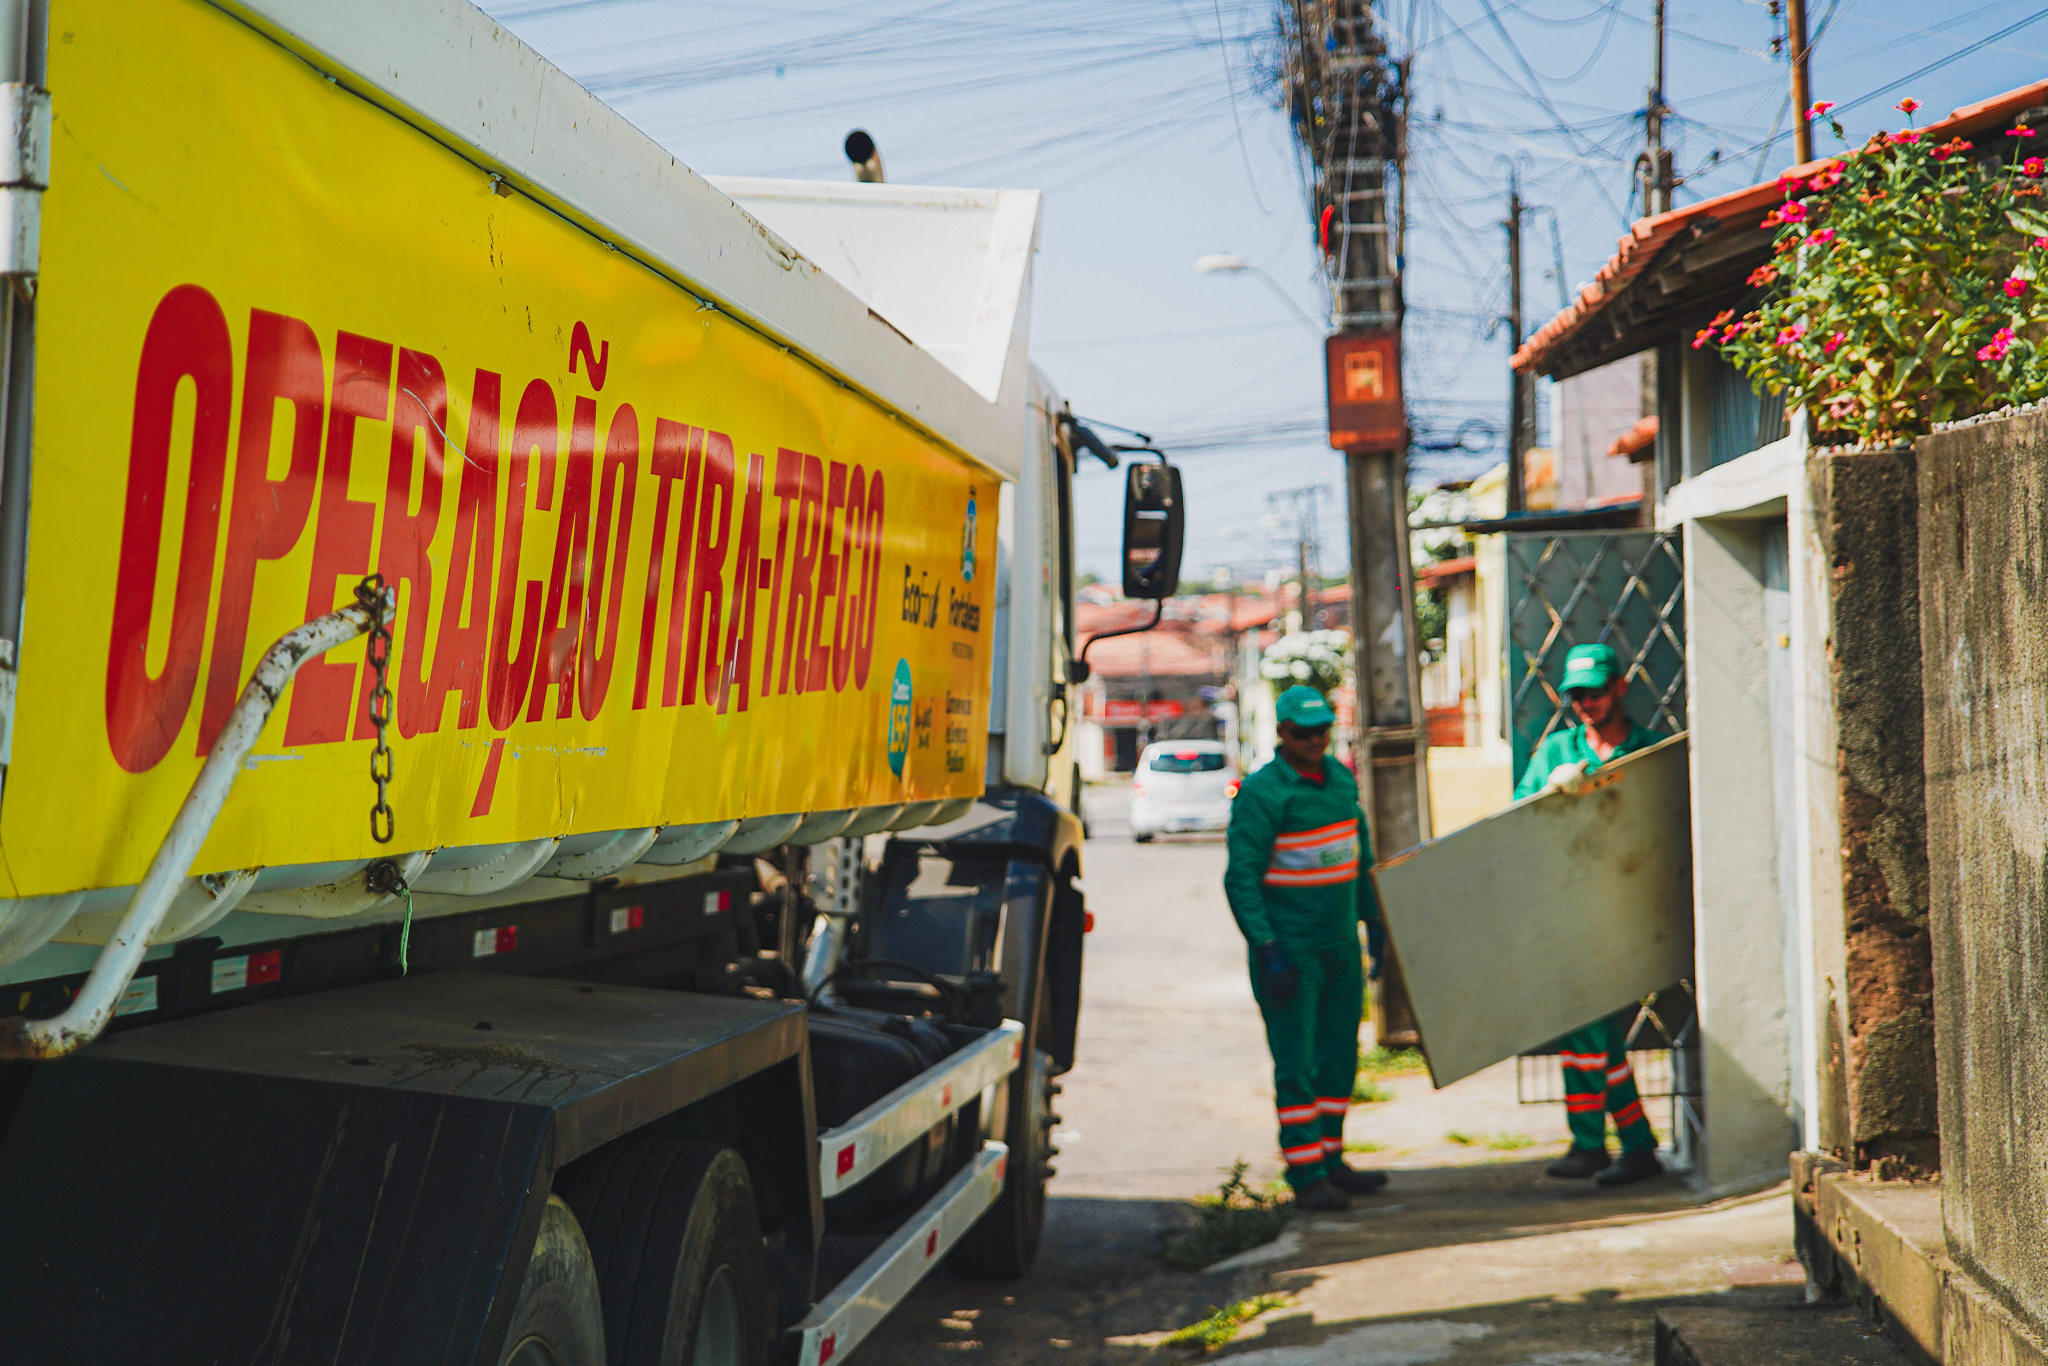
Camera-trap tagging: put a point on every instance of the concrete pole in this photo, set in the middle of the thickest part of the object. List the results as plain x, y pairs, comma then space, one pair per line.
1393, 772
1518, 416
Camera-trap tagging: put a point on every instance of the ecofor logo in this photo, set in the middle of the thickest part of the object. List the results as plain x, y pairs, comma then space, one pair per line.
899, 717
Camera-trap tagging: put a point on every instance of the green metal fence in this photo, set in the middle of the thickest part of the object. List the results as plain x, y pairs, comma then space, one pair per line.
1626, 588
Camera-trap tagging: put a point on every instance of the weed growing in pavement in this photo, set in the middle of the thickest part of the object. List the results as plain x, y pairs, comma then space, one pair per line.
1366, 1091
1509, 1142
1222, 1324
1463, 1140
1235, 1219
1363, 1145
1390, 1062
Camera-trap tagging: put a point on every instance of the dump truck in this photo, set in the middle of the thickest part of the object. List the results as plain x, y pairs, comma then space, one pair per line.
540, 814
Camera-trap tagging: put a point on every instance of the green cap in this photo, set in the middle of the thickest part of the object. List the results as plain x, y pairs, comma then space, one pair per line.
1304, 707
1590, 666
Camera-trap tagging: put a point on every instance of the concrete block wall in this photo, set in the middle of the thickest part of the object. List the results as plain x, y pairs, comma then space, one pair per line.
1983, 557
1876, 1059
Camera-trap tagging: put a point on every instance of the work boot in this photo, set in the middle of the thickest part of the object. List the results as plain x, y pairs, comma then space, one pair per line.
1579, 1163
1322, 1197
1634, 1166
1352, 1182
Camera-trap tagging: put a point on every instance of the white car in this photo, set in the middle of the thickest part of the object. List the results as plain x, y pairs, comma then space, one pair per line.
1181, 786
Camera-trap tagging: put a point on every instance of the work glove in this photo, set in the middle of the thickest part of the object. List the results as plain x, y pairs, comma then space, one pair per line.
1277, 973
1568, 778
1376, 944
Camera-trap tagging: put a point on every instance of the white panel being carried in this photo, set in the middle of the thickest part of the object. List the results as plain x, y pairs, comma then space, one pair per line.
1546, 916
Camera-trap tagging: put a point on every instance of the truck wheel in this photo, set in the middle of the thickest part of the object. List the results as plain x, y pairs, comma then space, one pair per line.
558, 1319
677, 1241
1003, 1244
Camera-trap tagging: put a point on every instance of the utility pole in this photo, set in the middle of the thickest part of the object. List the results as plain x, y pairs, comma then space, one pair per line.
1308, 546
1653, 169
1518, 385
1802, 97
1348, 103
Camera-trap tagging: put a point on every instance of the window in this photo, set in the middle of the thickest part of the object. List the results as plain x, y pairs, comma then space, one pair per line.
1187, 761
1739, 419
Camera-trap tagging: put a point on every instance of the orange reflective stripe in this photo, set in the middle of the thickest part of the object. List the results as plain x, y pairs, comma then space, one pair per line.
1322, 834
1312, 877
1320, 857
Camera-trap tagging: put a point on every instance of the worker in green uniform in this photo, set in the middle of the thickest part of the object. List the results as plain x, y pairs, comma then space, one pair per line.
1598, 1081
1296, 880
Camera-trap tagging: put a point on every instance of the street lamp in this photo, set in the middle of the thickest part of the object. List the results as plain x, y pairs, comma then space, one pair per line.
1230, 263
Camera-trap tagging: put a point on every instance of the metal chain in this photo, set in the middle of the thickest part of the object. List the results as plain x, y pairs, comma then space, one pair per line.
370, 593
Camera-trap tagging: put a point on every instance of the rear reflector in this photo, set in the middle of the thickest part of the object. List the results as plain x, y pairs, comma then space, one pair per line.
504, 939
628, 918
247, 970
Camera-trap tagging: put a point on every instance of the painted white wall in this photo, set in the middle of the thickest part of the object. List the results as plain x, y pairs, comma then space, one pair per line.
1740, 940
1592, 410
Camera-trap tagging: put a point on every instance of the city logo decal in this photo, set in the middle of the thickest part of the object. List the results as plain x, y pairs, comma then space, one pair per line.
899, 718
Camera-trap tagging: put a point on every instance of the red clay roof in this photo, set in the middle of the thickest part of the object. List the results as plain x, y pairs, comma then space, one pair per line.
1446, 569
1637, 438
1651, 235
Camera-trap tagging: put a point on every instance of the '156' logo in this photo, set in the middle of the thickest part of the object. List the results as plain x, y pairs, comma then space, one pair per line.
899, 717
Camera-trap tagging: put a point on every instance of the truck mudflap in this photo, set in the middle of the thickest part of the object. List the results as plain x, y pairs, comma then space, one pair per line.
352, 1176
892, 1271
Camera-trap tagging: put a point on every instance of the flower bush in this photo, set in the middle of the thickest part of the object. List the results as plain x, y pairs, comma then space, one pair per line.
1317, 658
1902, 291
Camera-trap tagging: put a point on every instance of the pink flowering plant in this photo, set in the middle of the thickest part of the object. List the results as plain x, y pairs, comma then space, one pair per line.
1903, 289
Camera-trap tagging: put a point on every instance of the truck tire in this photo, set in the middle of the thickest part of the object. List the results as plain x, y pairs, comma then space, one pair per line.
1003, 1244
558, 1319
677, 1240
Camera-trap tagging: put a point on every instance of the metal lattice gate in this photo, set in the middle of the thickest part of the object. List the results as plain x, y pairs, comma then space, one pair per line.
1626, 588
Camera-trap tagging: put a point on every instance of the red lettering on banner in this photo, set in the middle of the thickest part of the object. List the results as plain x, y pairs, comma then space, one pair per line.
871, 578
561, 623
459, 650
595, 364
666, 461
707, 576
789, 480
341, 537
804, 559
187, 338
419, 427
679, 578
615, 486
746, 586
852, 600
283, 363
828, 579
536, 432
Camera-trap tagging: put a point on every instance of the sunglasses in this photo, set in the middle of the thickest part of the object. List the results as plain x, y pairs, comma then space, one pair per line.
1305, 732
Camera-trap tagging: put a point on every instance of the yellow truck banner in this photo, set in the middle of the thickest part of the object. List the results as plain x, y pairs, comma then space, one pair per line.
651, 567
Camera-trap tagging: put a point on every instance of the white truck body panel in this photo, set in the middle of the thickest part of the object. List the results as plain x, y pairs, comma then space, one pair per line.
472, 85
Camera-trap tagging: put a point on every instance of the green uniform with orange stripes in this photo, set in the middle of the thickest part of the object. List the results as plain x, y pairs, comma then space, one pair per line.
1297, 854
1598, 1080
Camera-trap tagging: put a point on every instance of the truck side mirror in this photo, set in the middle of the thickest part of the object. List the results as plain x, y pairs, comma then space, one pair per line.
1155, 520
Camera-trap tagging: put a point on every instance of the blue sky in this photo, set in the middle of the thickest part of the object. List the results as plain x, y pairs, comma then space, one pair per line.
1153, 130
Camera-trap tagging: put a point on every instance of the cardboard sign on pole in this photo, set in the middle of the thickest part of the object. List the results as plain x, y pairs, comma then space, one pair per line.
1365, 391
